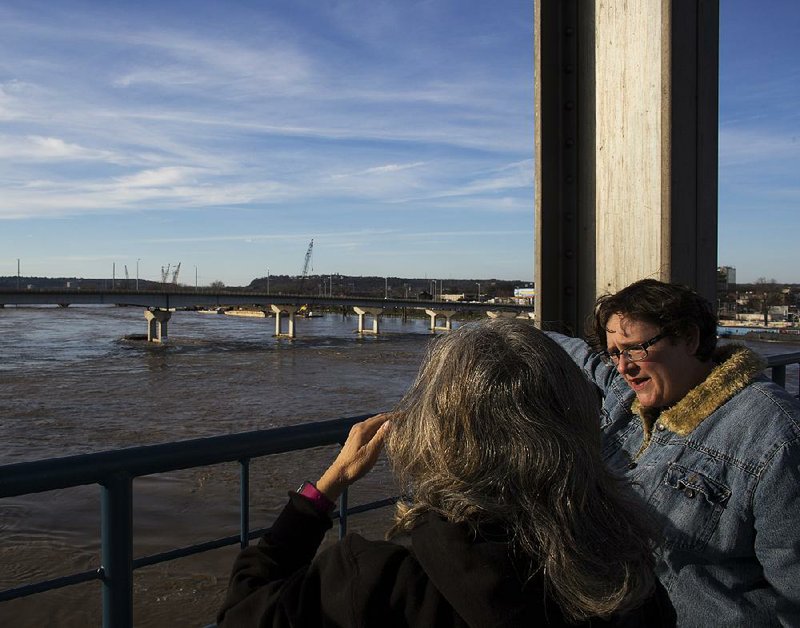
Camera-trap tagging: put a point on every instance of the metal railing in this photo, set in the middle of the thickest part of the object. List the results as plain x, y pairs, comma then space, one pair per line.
778, 363
115, 471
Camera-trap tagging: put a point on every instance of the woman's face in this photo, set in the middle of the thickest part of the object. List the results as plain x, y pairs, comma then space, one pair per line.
670, 369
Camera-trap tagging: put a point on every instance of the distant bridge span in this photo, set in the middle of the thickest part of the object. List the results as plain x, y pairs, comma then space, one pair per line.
160, 304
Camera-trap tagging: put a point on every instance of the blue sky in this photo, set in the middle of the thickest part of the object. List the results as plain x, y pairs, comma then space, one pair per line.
759, 142
397, 134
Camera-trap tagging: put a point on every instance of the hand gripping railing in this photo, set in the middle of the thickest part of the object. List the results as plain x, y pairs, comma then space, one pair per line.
115, 471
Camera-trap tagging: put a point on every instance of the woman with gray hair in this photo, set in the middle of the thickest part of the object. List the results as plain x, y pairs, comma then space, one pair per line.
512, 517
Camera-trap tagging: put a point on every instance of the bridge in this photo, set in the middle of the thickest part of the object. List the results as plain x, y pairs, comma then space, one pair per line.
159, 305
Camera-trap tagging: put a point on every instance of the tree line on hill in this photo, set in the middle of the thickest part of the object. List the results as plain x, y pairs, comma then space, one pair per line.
312, 285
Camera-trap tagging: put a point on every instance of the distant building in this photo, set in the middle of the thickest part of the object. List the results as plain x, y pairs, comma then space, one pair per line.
524, 296
779, 313
453, 297
726, 278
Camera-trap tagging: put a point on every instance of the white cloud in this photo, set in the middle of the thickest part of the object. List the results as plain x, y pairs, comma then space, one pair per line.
39, 148
8, 110
160, 177
153, 190
179, 59
747, 146
391, 168
379, 170
515, 176
344, 238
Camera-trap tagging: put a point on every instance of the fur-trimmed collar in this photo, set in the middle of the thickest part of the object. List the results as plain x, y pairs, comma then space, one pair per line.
737, 366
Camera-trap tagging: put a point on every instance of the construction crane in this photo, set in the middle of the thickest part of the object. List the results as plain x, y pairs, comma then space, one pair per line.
164, 273
306, 264
175, 274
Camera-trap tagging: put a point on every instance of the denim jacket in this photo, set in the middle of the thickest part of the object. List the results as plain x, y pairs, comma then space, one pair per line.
720, 471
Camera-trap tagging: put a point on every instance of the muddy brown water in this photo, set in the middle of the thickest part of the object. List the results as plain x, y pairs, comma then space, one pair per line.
70, 383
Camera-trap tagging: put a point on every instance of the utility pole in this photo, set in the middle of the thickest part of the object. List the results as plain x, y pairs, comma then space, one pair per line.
138, 259
479, 292
385, 287
113, 274
267, 280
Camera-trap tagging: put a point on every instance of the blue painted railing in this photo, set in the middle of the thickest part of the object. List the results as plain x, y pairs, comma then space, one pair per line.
114, 472
778, 364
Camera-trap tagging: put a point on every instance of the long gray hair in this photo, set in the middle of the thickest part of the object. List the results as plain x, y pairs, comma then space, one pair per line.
501, 428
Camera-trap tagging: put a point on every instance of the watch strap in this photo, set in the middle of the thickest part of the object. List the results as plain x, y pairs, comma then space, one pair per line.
316, 497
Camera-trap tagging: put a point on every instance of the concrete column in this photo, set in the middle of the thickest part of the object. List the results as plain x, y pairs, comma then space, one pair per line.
290, 310
447, 314
375, 312
626, 149
157, 325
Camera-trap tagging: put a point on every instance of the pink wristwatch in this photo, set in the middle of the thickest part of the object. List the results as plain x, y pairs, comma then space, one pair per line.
312, 493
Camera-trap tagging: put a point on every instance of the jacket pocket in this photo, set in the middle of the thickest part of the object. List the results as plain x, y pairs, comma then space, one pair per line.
690, 504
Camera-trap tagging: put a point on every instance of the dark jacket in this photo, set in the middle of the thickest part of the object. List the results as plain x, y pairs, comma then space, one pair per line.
444, 579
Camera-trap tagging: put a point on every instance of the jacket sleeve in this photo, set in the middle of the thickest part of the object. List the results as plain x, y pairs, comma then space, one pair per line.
271, 583
598, 372
776, 502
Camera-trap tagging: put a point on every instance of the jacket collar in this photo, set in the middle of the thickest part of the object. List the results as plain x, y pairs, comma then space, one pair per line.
737, 366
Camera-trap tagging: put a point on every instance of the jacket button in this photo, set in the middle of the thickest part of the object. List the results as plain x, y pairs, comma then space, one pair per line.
632, 465
660, 427
689, 492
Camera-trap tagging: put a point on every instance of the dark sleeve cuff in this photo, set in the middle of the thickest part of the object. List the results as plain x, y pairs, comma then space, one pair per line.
298, 531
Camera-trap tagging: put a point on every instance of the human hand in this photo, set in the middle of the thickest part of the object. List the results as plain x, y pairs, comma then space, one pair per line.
357, 457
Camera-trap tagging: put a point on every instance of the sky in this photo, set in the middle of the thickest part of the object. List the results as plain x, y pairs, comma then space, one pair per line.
396, 134
759, 139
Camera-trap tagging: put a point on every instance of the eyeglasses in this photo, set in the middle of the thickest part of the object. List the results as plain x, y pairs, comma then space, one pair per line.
636, 353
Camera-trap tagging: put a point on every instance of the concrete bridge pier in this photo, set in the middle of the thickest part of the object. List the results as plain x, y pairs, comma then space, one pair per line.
447, 314
157, 325
290, 310
362, 312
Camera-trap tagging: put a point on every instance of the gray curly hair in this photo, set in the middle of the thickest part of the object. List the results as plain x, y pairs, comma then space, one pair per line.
501, 428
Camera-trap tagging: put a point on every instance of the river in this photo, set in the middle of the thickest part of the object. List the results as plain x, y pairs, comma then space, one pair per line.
71, 383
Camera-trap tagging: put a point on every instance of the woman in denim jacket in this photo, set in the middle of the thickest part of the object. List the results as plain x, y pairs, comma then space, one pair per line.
709, 444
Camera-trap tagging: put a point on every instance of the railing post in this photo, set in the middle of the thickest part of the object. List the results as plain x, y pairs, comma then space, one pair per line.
244, 502
117, 551
343, 514
779, 375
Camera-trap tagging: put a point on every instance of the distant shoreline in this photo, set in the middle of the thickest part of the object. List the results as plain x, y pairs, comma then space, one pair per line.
781, 334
